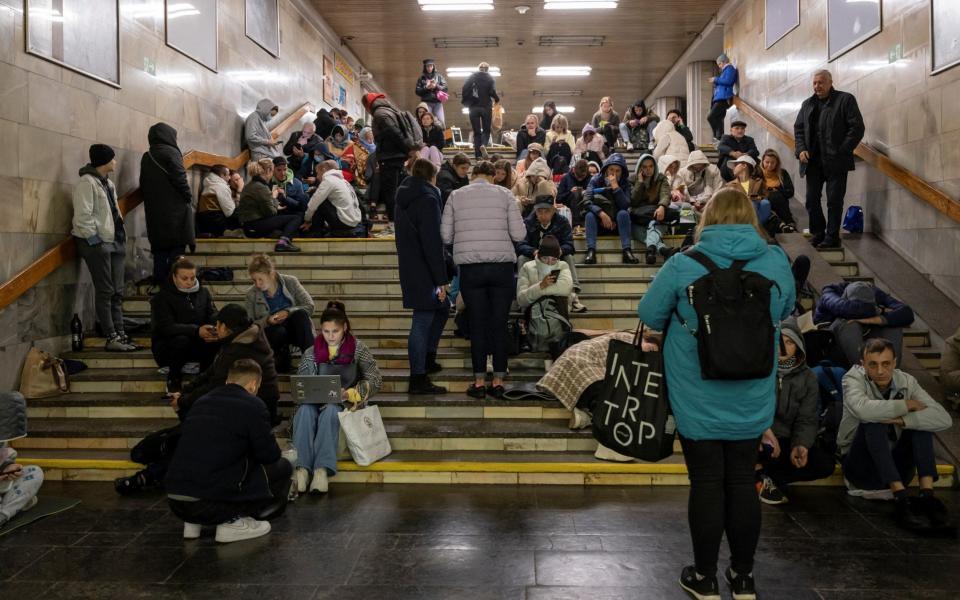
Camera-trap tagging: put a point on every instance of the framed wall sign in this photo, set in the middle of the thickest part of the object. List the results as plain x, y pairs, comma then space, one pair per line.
328, 80
191, 29
850, 23
80, 35
944, 34
262, 24
780, 17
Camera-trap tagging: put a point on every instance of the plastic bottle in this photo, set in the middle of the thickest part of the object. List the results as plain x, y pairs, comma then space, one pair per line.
76, 333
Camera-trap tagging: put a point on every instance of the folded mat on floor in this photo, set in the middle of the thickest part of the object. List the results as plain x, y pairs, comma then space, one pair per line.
46, 506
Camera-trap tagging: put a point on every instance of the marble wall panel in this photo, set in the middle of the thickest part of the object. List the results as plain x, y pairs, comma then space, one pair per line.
9, 149
13, 93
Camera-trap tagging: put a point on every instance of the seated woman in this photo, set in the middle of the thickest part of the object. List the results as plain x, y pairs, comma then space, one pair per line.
216, 206
316, 428
335, 145
282, 306
746, 177
19, 484
545, 276
433, 141
258, 210
535, 181
530, 133
534, 151
365, 147
504, 177
590, 145
636, 128
560, 144
779, 189
182, 318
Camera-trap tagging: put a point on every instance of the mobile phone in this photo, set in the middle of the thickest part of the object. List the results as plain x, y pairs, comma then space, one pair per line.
555, 273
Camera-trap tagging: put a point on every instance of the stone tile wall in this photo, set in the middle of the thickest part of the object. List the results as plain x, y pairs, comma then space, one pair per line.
49, 116
910, 115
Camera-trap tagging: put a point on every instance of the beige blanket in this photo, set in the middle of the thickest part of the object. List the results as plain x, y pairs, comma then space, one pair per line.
578, 367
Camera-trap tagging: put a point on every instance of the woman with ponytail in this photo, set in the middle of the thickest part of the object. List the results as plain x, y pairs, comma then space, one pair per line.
316, 428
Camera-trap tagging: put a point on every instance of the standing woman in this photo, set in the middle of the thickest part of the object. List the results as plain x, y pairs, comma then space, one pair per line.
432, 89
183, 318
282, 306
316, 428
483, 223
720, 422
423, 272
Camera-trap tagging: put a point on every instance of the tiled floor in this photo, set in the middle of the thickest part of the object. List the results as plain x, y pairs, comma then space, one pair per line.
473, 543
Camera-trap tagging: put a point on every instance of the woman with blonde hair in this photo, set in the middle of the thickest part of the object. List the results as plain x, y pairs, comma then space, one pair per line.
560, 130
720, 421
530, 133
607, 121
258, 209
779, 188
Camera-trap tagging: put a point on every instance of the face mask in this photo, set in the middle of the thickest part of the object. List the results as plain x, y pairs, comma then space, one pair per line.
543, 269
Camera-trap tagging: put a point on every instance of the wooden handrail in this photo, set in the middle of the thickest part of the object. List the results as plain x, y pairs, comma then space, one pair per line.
916, 185
66, 250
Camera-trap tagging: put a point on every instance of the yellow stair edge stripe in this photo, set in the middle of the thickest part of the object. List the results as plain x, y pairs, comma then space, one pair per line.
390, 239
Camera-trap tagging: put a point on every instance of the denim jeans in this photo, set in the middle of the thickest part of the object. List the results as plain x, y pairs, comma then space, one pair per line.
488, 290
426, 328
874, 461
763, 210
625, 131
436, 109
316, 433
651, 235
592, 222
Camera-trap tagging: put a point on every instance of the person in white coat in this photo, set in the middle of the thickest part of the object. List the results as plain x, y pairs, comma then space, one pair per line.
334, 206
19, 484
669, 141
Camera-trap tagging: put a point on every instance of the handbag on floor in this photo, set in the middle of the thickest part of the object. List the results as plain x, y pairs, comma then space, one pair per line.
366, 435
43, 375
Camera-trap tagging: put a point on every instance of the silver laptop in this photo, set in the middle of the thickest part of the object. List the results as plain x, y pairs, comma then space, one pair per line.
315, 389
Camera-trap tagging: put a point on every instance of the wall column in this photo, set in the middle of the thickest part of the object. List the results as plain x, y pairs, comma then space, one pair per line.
665, 104
699, 94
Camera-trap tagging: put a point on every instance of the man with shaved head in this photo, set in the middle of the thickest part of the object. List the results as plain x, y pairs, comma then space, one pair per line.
827, 131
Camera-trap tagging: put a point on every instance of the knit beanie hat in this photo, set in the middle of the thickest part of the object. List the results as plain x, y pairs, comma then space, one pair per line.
369, 98
549, 246
101, 154
234, 317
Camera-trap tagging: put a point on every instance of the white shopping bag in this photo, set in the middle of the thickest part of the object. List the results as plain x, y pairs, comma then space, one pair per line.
366, 436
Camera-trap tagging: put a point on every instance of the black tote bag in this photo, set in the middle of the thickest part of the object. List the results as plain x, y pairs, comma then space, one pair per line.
633, 414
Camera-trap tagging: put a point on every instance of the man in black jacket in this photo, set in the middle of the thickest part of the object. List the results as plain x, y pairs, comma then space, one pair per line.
828, 129
734, 145
477, 92
167, 200
227, 470
393, 147
674, 116
326, 121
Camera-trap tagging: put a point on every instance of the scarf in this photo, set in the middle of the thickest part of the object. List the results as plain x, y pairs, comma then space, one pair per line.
348, 348
341, 145
372, 146
191, 290
785, 365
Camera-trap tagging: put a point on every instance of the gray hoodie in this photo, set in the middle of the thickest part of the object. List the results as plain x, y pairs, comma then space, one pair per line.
797, 394
257, 135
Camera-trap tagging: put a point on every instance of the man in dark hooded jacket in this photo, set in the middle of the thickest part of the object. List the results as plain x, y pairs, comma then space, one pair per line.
606, 203
167, 200
393, 147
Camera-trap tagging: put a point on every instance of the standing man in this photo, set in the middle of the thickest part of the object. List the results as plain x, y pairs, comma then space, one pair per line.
722, 95
432, 89
394, 146
827, 131
478, 90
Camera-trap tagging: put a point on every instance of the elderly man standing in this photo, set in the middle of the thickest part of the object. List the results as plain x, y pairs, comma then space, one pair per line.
827, 131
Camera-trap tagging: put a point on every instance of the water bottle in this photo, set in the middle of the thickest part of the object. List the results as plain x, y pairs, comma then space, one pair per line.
76, 333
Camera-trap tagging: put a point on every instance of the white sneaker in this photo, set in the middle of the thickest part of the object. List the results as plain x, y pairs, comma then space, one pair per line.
575, 304
191, 368
30, 504
303, 479
233, 233
867, 494
320, 483
580, 419
243, 528
604, 453
191, 531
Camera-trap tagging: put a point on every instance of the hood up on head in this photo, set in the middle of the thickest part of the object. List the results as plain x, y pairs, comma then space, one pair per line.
697, 157
665, 161
587, 127
161, 133
265, 107
663, 128
647, 156
370, 98
538, 167
617, 159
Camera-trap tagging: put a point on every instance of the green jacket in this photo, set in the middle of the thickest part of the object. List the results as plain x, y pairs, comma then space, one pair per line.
256, 202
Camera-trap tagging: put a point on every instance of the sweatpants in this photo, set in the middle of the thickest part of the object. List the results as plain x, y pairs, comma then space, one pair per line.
436, 109
176, 351
105, 262
820, 465
433, 154
426, 329
264, 228
621, 226
23, 490
488, 291
316, 434
877, 457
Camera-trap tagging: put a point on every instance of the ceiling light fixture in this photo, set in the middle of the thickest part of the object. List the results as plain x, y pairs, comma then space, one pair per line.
450, 5
572, 40
468, 71
557, 93
466, 42
577, 71
578, 4
560, 109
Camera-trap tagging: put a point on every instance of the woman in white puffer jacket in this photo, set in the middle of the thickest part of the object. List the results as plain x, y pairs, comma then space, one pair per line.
670, 141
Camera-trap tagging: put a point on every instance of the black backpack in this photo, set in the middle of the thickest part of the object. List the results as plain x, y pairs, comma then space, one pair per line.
735, 333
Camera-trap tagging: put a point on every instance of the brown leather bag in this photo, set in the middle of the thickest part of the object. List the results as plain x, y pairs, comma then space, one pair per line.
43, 375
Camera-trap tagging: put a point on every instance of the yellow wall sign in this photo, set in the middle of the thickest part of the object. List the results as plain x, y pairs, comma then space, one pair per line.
341, 66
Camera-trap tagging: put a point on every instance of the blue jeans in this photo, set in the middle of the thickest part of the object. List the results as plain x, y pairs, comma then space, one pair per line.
763, 209
874, 460
651, 235
316, 433
592, 223
425, 331
625, 131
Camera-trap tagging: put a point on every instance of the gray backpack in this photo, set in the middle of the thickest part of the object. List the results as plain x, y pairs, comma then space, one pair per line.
546, 324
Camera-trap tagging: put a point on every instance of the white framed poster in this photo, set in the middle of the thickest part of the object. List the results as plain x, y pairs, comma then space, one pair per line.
944, 35
262, 24
780, 17
850, 23
191, 30
80, 35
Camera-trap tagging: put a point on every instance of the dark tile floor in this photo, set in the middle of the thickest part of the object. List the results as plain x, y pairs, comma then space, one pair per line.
464, 542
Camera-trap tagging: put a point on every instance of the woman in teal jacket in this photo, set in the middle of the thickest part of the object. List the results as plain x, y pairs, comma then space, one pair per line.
720, 422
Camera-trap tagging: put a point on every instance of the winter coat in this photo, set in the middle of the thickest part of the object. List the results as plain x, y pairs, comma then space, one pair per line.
13, 416
597, 196
167, 200
559, 228
655, 191
335, 189
724, 82
419, 247
386, 130
294, 192
367, 369
295, 162
524, 139
523, 188
798, 395
257, 135
448, 180
430, 95
950, 364
613, 120
729, 144
224, 441
832, 305
252, 344
216, 196
663, 163
864, 403
485, 87
566, 185
839, 131
92, 215
670, 142
255, 202
325, 123
174, 312
528, 283
483, 223
756, 189
433, 137
712, 409
595, 145
293, 290
704, 183
638, 135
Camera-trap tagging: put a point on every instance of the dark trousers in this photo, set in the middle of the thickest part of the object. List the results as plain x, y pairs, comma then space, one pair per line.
215, 512
836, 183
215, 223
391, 172
426, 329
326, 220
105, 262
718, 111
576, 212
820, 464
610, 134
176, 351
781, 207
286, 224
163, 259
723, 498
155, 452
480, 119
297, 331
850, 336
876, 457
488, 290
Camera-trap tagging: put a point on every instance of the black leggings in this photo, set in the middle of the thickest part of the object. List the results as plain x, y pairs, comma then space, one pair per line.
287, 224
176, 351
297, 331
718, 111
480, 119
488, 290
723, 498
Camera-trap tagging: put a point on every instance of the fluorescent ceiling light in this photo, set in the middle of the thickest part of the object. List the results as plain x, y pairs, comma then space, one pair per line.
581, 71
456, 4
572, 40
466, 42
560, 109
468, 71
578, 4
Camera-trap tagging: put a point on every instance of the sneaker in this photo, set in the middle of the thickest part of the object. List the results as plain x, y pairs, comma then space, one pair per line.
476, 391
484, 153
33, 502
575, 304
116, 344
286, 247
770, 493
909, 514
701, 587
884, 494
191, 531
604, 453
303, 479
320, 483
190, 368
741, 586
241, 528
126, 339
579, 419
233, 233
630, 147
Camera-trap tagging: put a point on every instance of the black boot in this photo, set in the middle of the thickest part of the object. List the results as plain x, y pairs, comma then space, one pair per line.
651, 256
591, 257
420, 385
432, 365
666, 252
629, 258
